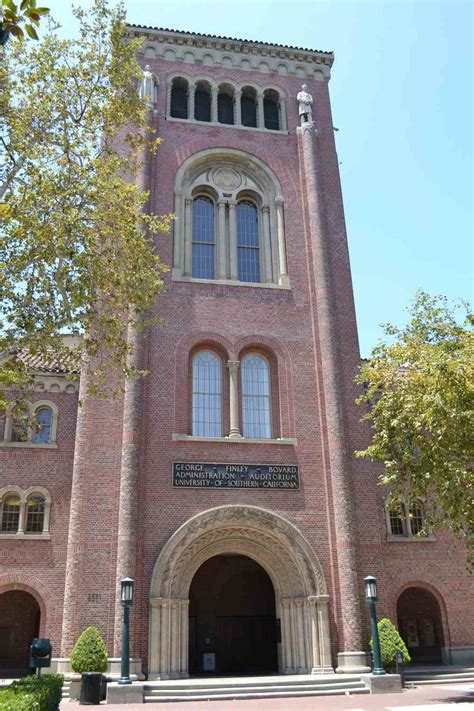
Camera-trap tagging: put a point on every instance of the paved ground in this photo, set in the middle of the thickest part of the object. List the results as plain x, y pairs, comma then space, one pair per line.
423, 698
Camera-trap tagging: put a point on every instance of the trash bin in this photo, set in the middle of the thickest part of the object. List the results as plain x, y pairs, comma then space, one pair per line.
91, 685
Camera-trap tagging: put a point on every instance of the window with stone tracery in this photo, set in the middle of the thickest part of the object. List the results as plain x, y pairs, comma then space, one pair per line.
230, 224
207, 395
256, 404
24, 513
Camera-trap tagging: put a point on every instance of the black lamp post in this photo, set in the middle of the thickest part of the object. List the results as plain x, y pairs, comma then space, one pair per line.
126, 598
371, 597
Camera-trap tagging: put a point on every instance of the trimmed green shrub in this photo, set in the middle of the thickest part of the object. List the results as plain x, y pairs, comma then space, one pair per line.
33, 693
390, 644
89, 653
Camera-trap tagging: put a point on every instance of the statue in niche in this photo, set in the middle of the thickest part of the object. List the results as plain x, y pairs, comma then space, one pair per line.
148, 88
305, 105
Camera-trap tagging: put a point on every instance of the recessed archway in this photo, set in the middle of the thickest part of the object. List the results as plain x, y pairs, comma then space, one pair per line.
232, 621
301, 599
19, 624
420, 625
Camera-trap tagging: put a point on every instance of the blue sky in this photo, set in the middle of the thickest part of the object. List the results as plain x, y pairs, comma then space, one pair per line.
402, 99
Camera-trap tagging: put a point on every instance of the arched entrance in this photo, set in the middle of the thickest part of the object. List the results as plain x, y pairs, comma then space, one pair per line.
232, 620
419, 622
19, 624
301, 599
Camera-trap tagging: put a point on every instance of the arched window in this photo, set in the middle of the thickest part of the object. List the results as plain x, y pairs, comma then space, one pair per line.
35, 508
415, 515
248, 104
10, 513
20, 423
397, 523
406, 520
179, 98
202, 102
225, 105
256, 397
248, 243
43, 425
270, 109
203, 238
207, 395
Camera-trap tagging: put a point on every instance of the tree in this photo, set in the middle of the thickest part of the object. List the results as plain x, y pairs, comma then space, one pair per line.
89, 653
390, 644
13, 17
419, 388
77, 245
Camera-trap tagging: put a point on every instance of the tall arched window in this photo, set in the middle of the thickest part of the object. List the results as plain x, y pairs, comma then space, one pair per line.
270, 110
202, 102
20, 423
35, 513
248, 107
256, 397
203, 264
10, 513
179, 98
248, 243
207, 395
225, 105
43, 425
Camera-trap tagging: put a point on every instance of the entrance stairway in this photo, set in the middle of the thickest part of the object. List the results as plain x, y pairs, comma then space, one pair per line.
418, 675
263, 687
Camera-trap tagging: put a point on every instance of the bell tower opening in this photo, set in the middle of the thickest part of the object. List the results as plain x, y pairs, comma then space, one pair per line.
232, 620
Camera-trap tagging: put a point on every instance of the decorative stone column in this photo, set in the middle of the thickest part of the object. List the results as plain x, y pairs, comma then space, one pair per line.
22, 518
191, 90
188, 236
233, 366
351, 629
214, 104
286, 637
178, 235
184, 674
300, 636
237, 108
324, 639
233, 239
222, 241
283, 268
282, 114
267, 248
169, 88
260, 112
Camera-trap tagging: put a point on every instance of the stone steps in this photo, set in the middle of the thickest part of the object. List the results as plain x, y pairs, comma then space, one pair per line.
248, 688
438, 675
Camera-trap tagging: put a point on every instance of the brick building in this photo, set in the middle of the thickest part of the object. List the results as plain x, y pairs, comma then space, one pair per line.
225, 483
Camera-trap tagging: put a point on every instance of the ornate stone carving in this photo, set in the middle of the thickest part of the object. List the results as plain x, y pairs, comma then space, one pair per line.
227, 178
305, 105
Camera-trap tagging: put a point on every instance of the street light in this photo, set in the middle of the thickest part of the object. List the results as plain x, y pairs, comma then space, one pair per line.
126, 598
371, 597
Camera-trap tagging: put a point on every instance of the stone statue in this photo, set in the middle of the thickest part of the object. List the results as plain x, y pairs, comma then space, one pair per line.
149, 86
305, 102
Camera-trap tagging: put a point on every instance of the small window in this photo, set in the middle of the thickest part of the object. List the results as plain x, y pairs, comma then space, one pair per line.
415, 514
397, 527
225, 107
248, 105
179, 98
20, 423
271, 110
35, 514
43, 425
207, 395
202, 102
256, 397
10, 513
248, 243
203, 238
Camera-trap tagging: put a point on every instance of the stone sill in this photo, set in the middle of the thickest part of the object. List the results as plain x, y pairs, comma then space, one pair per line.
234, 440
29, 445
194, 122
26, 536
231, 282
409, 539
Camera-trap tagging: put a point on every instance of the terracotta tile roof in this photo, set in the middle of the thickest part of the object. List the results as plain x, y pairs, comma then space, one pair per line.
230, 39
40, 363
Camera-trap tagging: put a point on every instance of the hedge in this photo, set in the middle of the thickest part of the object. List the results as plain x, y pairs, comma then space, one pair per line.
390, 644
89, 653
33, 693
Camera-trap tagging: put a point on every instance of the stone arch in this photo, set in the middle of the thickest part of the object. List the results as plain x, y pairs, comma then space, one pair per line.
273, 542
426, 587
8, 586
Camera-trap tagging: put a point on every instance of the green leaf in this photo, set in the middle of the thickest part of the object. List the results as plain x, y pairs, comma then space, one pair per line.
31, 31
24, 5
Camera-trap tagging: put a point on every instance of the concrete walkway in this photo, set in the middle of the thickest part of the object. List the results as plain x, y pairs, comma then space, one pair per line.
444, 697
